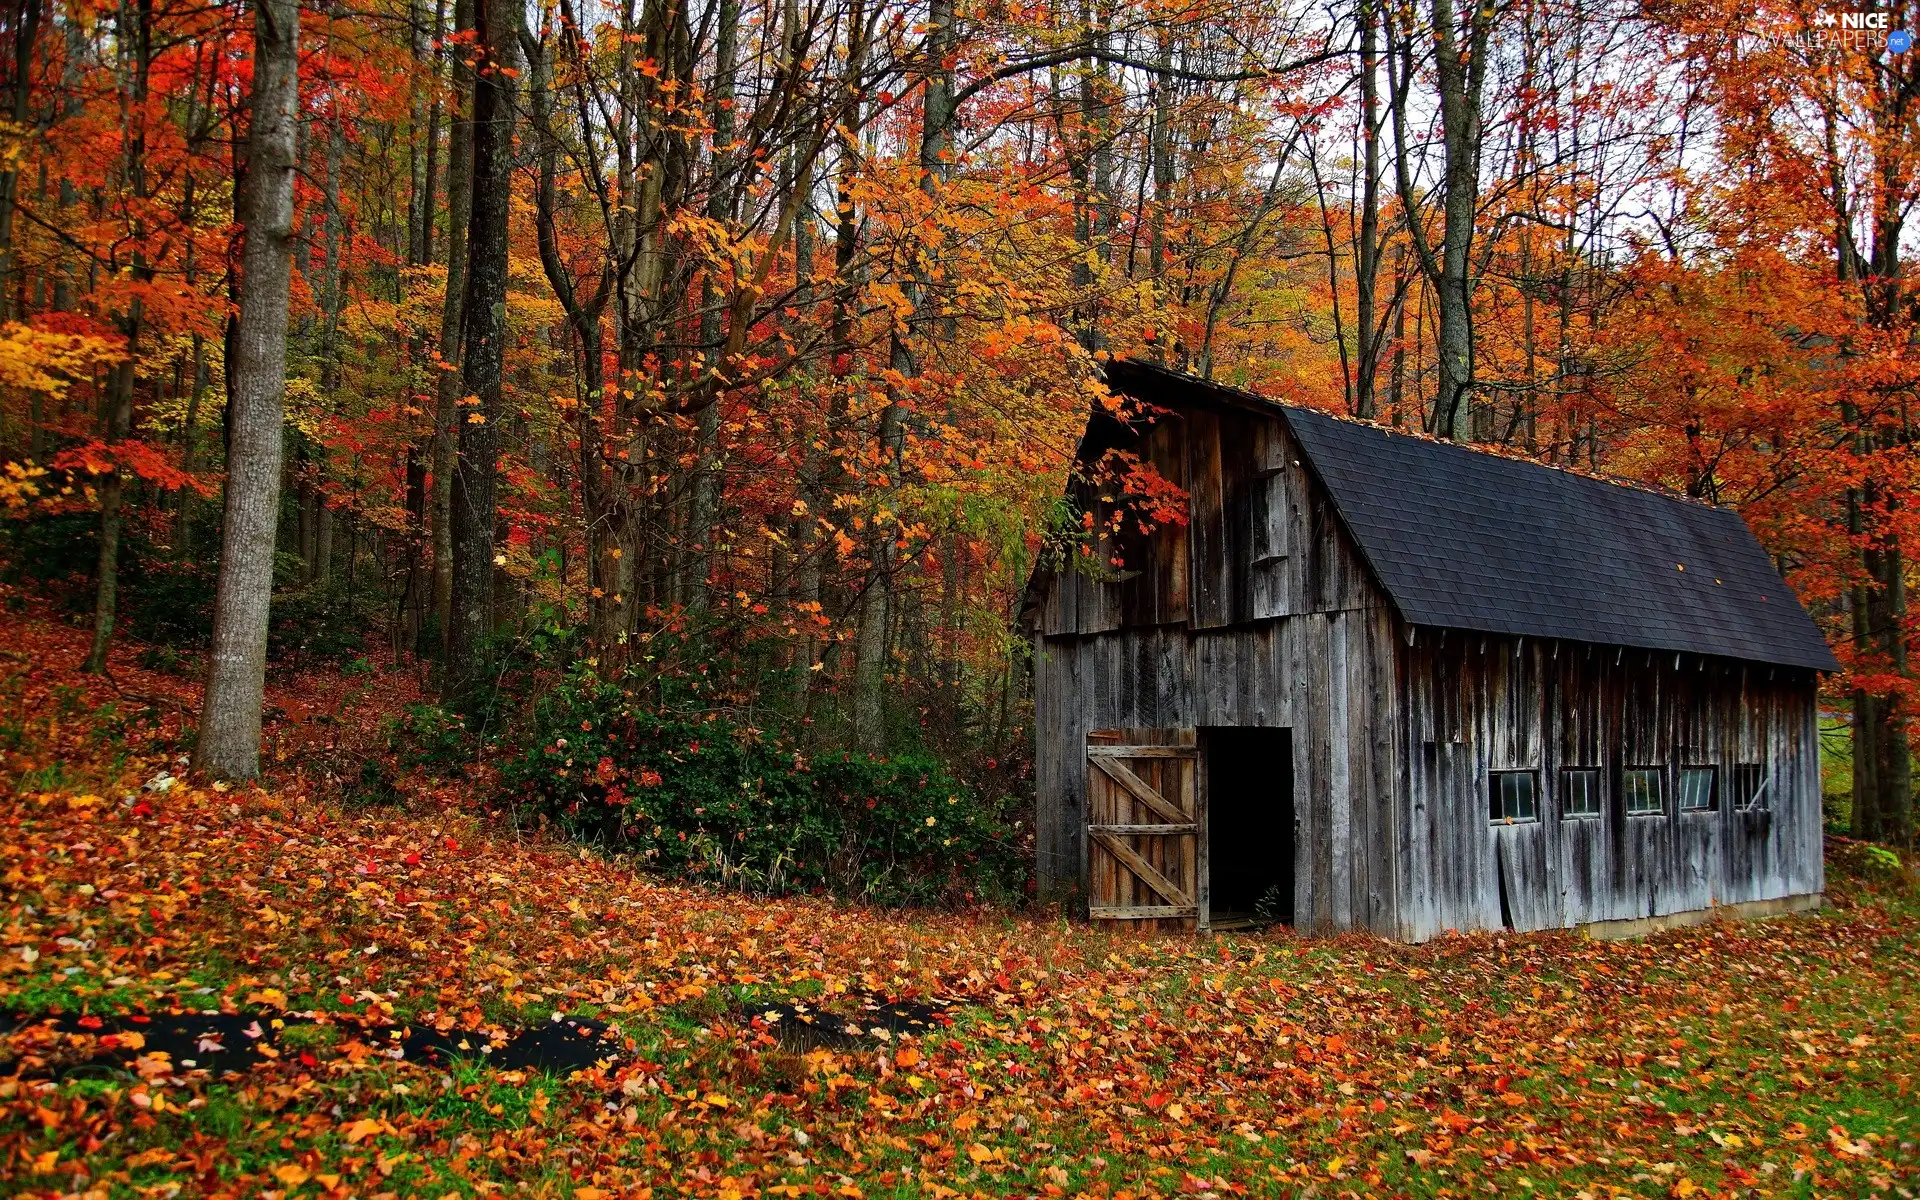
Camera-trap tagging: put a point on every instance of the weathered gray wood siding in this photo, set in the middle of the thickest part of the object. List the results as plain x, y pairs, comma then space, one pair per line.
1479, 704
1257, 612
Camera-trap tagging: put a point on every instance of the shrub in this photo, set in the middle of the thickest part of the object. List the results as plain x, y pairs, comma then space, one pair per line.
171, 601
319, 622
426, 735
164, 600
57, 551
375, 785
165, 659
706, 799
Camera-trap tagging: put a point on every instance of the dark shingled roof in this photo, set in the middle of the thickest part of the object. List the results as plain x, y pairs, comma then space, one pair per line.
1462, 539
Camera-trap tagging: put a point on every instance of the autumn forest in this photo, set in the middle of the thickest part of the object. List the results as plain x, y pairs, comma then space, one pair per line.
408, 404
749, 344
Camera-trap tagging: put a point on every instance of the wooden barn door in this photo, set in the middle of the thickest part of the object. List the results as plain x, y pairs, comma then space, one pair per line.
1143, 828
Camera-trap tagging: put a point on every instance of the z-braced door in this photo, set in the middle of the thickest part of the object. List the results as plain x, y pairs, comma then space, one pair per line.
1143, 828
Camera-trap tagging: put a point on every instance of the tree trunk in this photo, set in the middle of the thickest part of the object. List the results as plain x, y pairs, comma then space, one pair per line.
112, 488
229, 743
1460, 74
452, 312
25, 34
1460, 88
1366, 262
704, 505
603, 629
483, 351
322, 537
1160, 154
120, 395
1882, 753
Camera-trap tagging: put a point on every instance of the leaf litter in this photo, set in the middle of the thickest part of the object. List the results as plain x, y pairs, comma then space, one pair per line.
996, 1053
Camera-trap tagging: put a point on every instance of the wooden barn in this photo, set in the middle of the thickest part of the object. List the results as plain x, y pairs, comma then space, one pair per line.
1380, 682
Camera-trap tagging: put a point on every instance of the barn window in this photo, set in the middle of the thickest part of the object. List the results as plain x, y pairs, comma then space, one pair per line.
1645, 789
1514, 797
1580, 792
1696, 789
1749, 786
1270, 518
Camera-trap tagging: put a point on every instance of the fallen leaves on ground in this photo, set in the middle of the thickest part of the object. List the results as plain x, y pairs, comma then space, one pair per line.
1772, 1057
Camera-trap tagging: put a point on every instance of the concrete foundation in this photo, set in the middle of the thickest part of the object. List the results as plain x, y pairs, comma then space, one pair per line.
1642, 926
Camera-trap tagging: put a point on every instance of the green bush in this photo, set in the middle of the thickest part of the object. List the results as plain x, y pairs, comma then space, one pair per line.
426, 735
170, 602
163, 600
58, 551
318, 622
705, 799
165, 659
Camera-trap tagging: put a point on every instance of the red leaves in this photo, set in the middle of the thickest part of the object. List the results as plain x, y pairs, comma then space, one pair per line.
131, 456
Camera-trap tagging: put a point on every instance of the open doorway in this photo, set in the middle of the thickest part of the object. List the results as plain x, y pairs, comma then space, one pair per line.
1249, 825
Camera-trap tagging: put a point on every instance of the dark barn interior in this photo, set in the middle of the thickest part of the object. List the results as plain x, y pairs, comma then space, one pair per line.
1250, 822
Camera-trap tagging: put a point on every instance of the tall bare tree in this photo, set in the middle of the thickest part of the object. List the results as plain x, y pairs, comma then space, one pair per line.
1461, 49
136, 35
229, 743
483, 348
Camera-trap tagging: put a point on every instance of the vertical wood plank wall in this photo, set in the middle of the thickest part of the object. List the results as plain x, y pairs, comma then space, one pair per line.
1256, 612
1260, 612
1478, 704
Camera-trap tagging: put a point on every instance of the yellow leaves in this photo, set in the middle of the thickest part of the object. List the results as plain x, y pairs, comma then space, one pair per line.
17, 486
476, 418
291, 1174
1845, 1146
149, 1158
38, 360
153, 1064
361, 1130
43, 1164
305, 408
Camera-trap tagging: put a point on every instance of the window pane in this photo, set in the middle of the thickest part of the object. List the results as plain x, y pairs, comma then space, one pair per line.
1696, 789
1644, 788
1580, 792
1523, 807
1513, 797
1749, 785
